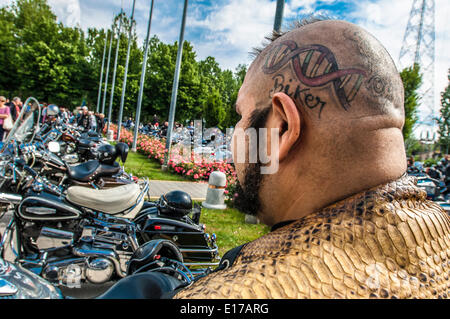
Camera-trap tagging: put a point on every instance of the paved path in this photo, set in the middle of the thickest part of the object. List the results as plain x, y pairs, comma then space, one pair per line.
196, 190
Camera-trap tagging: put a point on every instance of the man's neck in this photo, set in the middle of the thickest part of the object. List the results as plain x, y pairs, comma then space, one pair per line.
313, 191
329, 193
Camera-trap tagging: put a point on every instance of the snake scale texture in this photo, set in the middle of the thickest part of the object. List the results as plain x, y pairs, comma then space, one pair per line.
386, 242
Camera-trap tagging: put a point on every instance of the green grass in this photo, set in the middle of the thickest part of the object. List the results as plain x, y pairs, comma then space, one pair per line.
141, 166
230, 227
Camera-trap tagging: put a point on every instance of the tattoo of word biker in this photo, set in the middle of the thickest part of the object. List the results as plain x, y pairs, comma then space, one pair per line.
317, 71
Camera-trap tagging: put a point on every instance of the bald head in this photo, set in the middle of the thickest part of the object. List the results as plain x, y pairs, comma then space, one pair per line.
330, 69
336, 97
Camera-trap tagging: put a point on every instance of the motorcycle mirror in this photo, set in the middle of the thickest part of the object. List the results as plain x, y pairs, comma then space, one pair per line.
54, 147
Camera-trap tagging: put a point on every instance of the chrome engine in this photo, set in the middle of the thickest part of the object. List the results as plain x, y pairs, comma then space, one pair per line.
101, 252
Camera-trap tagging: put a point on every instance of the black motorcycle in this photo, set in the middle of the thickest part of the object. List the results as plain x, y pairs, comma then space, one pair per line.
92, 233
102, 172
98, 230
156, 270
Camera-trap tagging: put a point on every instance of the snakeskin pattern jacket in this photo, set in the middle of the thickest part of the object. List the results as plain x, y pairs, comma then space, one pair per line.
386, 242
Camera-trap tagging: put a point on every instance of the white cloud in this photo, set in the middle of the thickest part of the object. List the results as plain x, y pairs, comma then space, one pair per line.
233, 29
67, 11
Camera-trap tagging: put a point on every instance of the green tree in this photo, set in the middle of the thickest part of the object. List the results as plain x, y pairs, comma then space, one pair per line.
412, 79
61, 65
234, 85
52, 62
213, 112
9, 81
444, 119
159, 81
41, 71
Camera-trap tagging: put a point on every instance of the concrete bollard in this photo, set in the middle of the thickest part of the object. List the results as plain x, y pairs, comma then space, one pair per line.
215, 195
250, 219
110, 135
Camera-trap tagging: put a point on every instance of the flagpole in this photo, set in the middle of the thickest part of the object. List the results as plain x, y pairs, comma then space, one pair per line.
173, 101
124, 86
107, 71
101, 74
141, 87
279, 15
113, 86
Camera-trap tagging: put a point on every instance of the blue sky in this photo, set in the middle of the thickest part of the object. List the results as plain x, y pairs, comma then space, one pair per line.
229, 29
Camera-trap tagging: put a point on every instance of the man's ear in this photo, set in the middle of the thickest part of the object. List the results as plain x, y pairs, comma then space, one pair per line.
286, 118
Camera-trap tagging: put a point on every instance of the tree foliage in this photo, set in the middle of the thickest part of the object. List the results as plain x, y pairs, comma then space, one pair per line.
444, 119
412, 79
58, 64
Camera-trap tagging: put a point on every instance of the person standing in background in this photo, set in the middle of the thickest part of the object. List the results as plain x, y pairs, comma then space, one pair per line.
4, 113
92, 121
100, 123
15, 106
83, 121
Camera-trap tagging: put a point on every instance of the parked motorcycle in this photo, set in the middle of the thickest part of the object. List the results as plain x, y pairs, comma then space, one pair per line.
434, 182
156, 270
46, 153
56, 231
98, 173
19, 283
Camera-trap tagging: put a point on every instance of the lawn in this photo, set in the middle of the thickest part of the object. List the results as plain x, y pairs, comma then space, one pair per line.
229, 224
230, 227
139, 165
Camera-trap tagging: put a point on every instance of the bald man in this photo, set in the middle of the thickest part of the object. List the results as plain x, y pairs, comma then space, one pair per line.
346, 220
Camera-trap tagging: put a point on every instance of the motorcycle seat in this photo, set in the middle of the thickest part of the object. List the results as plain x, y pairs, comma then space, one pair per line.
82, 172
113, 201
89, 134
85, 143
88, 171
91, 138
95, 139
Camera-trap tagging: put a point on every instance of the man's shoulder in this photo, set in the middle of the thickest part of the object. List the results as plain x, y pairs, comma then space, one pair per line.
383, 242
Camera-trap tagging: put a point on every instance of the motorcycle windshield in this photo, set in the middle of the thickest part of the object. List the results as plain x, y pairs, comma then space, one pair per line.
26, 124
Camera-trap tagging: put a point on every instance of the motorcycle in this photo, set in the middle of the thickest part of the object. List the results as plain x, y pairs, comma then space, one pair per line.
68, 142
102, 172
436, 188
98, 167
54, 231
19, 283
156, 270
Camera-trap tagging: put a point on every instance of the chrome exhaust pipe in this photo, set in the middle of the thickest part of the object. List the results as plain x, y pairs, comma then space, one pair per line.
10, 198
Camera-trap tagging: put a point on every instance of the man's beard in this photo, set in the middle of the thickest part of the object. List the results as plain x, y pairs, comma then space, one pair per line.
247, 198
